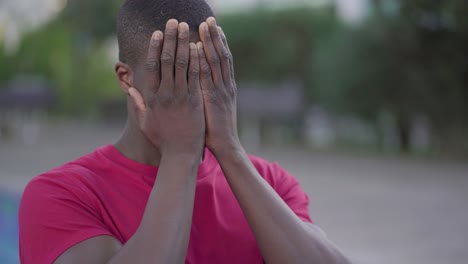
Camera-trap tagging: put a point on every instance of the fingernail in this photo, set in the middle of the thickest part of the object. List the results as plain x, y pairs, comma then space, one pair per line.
157, 35
199, 45
211, 21
183, 26
172, 24
204, 26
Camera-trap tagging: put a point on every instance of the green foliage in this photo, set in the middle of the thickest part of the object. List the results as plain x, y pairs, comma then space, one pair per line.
412, 61
96, 19
267, 45
277, 45
8, 68
81, 77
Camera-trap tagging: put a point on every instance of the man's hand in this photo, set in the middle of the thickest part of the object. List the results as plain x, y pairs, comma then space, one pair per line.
218, 88
171, 112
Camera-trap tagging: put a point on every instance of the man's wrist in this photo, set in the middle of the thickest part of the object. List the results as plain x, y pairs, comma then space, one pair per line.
183, 161
182, 150
228, 151
182, 155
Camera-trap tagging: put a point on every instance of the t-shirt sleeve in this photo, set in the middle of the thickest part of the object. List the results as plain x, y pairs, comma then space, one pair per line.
54, 216
288, 187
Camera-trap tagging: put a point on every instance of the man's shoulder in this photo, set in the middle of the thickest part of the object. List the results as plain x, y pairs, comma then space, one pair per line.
66, 176
67, 186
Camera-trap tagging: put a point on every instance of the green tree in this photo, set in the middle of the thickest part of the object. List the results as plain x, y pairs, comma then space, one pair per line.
408, 63
70, 52
271, 46
94, 20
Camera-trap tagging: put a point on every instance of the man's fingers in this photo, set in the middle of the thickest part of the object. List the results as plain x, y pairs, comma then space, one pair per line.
231, 64
223, 37
211, 54
206, 81
168, 53
153, 65
194, 70
182, 58
223, 52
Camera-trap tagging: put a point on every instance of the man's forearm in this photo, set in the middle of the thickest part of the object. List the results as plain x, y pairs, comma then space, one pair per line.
164, 232
281, 236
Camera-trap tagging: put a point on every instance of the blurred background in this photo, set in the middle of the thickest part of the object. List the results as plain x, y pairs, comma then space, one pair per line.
365, 101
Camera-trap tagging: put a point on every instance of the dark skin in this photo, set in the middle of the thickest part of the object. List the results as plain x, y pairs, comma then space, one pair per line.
171, 120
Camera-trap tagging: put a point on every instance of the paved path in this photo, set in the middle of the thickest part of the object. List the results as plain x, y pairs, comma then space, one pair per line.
379, 211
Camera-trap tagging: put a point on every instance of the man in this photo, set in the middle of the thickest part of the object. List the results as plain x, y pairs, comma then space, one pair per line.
177, 186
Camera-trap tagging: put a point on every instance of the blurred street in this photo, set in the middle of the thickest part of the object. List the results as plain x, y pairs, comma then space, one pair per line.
378, 210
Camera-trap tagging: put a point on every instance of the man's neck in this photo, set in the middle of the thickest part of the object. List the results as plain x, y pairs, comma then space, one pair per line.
134, 145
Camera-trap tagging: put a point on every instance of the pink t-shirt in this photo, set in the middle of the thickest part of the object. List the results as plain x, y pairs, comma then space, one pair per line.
105, 193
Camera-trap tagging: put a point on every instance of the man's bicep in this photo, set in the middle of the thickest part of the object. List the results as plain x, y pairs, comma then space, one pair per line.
96, 250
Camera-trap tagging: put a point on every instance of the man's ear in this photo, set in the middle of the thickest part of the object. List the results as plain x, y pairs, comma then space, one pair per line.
125, 76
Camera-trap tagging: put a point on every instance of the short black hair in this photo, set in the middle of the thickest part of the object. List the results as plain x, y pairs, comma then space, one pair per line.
138, 19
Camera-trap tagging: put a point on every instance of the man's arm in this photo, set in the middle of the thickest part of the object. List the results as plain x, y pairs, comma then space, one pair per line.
164, 231
163, 234
281, 236
171, 116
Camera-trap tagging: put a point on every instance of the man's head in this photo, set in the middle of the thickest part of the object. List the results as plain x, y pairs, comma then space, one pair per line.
136, 23
138, 19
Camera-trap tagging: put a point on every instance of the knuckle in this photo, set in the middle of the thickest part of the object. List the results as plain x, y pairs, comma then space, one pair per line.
167, 58
214, 34
183, 36
194, 72
182, 63
206, 69
154, 44
226, 55
233, 90
150, 99
213, 96
171, 34
215, 60
224, 96
152, 65
165, 99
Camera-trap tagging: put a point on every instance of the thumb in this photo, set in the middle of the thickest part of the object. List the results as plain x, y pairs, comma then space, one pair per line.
137, 100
